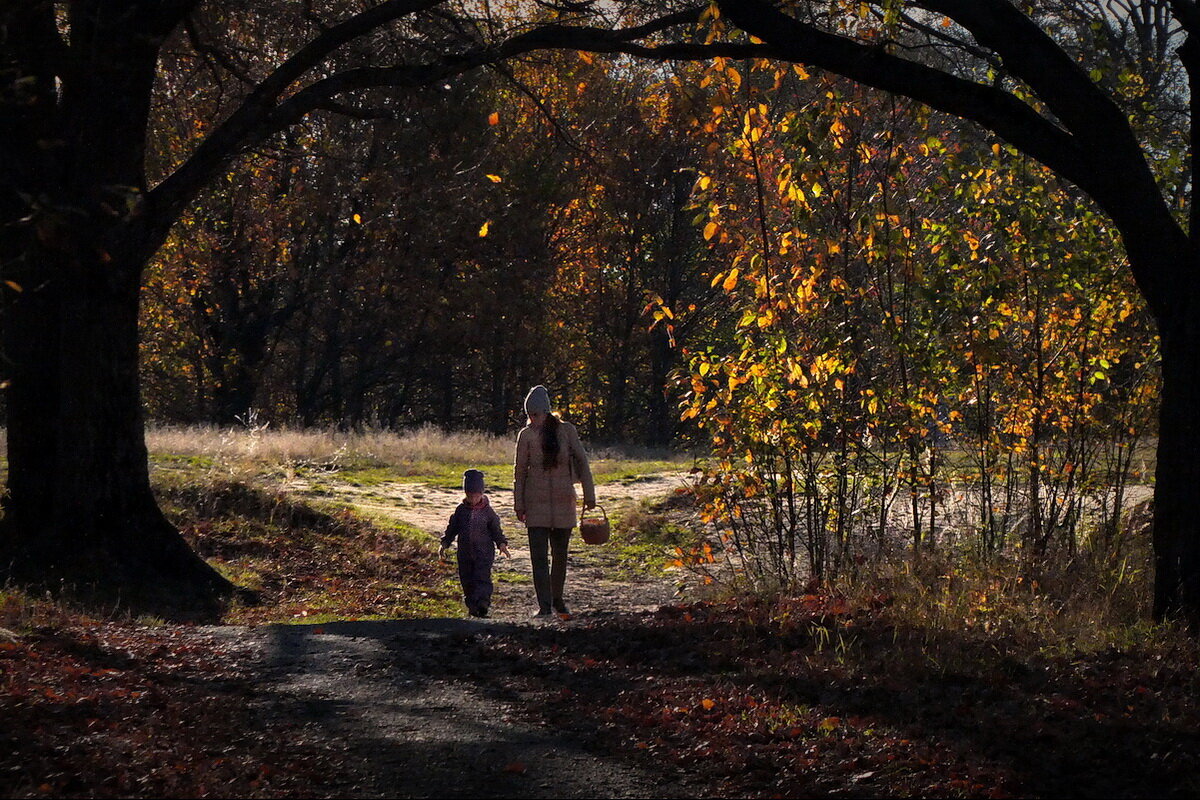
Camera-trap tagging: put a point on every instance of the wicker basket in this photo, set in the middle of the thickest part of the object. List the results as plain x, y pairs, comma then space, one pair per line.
594, 528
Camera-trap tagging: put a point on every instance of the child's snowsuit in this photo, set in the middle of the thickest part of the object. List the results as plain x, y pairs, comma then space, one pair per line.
477, 529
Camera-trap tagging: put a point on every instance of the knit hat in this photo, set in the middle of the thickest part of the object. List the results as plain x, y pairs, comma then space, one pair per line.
472, 481
537, 401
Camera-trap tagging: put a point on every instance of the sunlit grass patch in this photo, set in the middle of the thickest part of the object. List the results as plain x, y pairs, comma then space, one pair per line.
510, 576
327, 448
629, 471
306, 559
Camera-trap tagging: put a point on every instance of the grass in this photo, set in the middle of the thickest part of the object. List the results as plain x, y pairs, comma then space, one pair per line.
310, 554
328, 448
308, 561
884, 673
425, 455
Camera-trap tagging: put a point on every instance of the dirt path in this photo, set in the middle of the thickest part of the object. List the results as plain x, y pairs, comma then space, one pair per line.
596, 583
414, 704
404, 701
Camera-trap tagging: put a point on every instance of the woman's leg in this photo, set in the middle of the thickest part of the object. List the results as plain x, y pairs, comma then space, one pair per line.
539, 557
560, 539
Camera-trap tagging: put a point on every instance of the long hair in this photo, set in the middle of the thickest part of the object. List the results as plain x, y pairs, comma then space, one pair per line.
550, 442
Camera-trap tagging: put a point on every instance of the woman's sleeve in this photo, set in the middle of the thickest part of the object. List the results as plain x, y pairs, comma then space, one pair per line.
520, 468
582, 468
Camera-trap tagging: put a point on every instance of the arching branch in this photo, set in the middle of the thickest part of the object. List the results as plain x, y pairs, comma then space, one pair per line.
263, 112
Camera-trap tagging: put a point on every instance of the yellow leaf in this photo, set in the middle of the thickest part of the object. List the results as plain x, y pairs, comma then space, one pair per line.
494, 118
708, 704
494, 178
357, 219
829, 723
731, 281
710, 230
484, 230
16, 287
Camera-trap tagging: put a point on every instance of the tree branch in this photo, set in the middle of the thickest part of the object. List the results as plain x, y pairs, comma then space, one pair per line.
262, 114
1059, 80
1098, 152
1005, 114
1187, 12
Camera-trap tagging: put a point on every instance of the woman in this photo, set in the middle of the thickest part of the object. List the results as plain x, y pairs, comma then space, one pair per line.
550, 460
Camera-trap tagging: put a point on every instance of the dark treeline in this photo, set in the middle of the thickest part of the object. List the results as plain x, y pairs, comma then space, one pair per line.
431, 265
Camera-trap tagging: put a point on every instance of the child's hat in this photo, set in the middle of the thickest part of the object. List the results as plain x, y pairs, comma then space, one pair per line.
472, 481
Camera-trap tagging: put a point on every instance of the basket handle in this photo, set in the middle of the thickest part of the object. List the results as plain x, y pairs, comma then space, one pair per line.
602, 511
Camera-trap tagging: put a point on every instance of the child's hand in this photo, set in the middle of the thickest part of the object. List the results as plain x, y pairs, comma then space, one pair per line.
442, 553
504, 551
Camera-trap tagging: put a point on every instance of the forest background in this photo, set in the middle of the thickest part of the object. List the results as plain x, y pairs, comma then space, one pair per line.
915, 369
877, 320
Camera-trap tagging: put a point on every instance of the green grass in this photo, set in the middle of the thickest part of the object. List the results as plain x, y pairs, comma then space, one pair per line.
183, 462
631, 471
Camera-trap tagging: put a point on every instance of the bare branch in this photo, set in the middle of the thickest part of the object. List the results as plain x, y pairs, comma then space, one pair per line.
262, 113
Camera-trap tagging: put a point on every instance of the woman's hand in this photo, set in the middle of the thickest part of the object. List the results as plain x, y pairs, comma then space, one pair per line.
504, 551
521, 516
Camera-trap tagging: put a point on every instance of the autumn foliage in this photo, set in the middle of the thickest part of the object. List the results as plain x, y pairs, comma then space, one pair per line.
926, 347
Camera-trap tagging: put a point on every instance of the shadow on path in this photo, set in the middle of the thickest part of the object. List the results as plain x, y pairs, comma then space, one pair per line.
419, 711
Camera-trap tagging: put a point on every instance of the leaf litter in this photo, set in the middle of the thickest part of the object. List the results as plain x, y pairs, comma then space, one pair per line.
803, 696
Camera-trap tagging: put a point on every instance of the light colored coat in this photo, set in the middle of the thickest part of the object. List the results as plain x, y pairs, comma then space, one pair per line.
547, 496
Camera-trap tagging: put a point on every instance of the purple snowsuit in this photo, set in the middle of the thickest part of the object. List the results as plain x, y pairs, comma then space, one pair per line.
477, 529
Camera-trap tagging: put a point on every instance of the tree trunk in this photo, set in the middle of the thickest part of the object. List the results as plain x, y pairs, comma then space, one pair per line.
79, 516
1177, 478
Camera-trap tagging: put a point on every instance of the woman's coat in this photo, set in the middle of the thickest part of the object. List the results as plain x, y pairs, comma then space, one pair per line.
547, 496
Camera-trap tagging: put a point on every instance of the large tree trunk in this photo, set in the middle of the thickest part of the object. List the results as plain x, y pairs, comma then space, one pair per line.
75, 235
79, 516
1177, 477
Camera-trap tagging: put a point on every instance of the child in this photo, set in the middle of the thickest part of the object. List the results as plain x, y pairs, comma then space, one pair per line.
477, 527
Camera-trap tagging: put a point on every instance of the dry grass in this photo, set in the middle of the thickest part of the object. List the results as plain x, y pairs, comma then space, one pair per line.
263, 445
1072, 607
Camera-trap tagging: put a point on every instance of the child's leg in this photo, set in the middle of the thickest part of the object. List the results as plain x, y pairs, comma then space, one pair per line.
481, 585
466, 577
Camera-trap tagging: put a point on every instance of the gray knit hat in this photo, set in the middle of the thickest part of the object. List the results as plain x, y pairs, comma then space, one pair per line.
472, 481
537, 401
